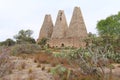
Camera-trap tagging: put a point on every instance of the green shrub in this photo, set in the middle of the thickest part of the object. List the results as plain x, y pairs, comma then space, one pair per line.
59, 71
7, 42
114, 57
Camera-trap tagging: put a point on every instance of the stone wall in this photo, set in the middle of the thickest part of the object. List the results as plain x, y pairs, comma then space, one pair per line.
68, 42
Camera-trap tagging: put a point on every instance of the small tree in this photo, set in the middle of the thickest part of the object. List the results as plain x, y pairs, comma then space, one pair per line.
24, 36
109, 31
109, 26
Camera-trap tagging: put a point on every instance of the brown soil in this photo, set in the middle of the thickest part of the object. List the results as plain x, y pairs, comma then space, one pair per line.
26, 69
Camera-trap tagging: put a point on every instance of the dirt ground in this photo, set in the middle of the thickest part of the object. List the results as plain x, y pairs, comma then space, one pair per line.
27, 69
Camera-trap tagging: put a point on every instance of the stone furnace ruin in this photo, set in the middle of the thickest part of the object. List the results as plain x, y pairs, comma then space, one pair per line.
61, 35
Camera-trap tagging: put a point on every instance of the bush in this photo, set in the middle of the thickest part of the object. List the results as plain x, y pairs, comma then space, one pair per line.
24, 36
7, 42
115, 57
91, 61
25, 48
62, 73
43, 42
59, 72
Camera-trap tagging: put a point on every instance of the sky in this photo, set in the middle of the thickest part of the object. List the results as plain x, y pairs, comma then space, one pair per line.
29, 14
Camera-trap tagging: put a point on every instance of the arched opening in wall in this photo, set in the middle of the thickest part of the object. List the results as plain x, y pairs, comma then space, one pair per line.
62, 45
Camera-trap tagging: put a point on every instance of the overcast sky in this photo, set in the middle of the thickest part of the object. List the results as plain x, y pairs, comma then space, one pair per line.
29, 14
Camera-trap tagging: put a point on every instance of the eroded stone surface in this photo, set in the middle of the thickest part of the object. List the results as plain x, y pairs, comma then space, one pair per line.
47, 28
77, 26
61, 26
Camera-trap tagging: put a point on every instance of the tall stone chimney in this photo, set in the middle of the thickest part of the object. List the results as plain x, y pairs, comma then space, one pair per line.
59, 31
47, 28
77, 28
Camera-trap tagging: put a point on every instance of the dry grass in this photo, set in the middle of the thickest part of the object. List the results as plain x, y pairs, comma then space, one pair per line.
6, 65
39, 65
23, 65
44, 58
43, 68
30, 71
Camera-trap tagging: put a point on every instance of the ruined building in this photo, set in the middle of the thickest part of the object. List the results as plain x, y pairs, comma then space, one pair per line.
61, 35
